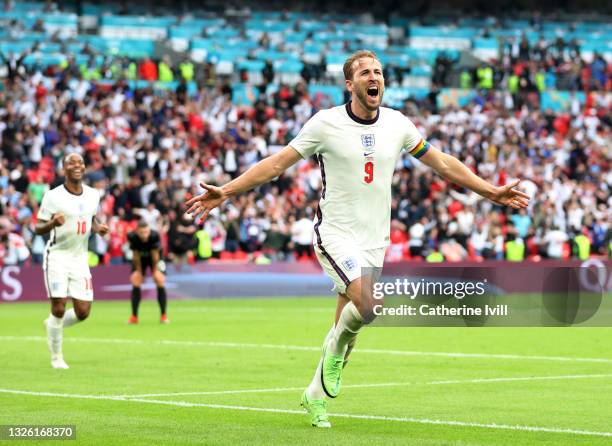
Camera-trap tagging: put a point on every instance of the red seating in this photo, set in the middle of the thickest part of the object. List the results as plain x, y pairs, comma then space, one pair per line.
226, 255
241, 255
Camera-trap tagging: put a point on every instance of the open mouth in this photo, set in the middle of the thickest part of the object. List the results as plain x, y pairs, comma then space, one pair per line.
372, 91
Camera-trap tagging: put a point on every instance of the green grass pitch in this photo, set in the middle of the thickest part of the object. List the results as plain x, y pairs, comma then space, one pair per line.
232, 372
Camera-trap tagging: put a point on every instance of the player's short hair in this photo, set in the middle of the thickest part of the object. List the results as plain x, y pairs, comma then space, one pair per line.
348, 64
70, 154
142, 223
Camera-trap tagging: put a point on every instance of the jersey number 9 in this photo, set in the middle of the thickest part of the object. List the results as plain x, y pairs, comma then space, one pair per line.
369, 170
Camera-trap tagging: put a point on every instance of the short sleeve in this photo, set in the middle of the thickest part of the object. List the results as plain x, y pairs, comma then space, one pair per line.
47, 208
414, 143
154, 242
308, 140
132, 240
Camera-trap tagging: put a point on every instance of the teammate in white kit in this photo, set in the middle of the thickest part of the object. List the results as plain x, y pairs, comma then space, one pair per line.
68, 212
357, 146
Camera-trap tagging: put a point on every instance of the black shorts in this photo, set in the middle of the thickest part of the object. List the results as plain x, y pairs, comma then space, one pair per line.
145, 263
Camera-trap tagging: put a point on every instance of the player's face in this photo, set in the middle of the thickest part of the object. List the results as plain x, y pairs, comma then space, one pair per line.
74, 166
143, 233
368, 83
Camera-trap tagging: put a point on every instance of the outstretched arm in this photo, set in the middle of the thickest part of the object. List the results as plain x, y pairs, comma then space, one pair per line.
260, 173
24, 55
454, 170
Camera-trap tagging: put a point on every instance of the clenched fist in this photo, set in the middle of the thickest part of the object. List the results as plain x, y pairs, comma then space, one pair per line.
58, 219
102, 229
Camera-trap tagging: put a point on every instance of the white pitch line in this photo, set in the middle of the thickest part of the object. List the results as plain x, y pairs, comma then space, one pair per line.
366, 385
519, 378
215, 392
487, 355
551, 430
318, 349
252, 310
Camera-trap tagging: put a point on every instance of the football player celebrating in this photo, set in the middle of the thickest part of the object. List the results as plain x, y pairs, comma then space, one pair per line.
357, 146
68, 213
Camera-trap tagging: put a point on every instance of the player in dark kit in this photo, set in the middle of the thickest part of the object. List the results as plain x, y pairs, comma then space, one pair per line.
145, 246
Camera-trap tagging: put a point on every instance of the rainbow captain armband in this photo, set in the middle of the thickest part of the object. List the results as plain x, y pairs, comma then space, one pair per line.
420, 149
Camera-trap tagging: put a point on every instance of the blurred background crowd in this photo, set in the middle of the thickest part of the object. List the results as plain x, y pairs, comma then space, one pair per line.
147, 148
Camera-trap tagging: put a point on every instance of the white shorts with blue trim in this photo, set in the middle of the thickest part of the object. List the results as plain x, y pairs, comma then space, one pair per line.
342, 261
64, 278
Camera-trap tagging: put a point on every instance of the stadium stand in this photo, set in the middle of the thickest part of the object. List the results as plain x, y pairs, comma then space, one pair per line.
158, 103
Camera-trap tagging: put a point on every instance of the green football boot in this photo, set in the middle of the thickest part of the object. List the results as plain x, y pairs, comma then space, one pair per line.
317, 409
331, 373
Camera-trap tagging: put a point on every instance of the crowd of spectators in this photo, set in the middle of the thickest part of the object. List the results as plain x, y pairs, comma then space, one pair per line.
562, 159
147, 150
523, 68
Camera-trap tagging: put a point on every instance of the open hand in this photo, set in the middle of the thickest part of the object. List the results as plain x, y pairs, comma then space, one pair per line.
507, 195
201, 205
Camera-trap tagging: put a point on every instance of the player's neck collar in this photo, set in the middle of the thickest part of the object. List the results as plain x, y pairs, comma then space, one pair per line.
72, 193
357, 119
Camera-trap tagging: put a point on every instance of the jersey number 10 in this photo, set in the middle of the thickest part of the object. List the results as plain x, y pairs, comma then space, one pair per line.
81, 227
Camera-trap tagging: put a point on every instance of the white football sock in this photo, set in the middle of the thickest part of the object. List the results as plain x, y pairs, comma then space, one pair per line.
55, 329
315, 389
349, 324
70, 318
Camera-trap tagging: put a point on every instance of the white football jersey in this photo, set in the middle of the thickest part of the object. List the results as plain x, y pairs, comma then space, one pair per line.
357, 160
70, 239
